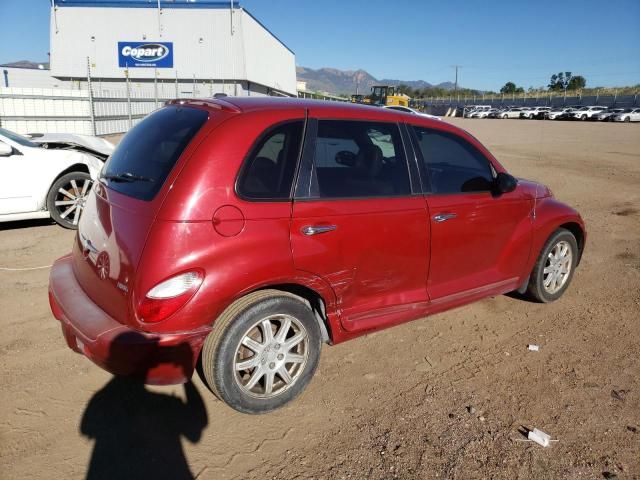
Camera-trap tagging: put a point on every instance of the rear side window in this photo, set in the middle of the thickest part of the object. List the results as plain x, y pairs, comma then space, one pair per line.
359, 159
270, 167
453, 164
143, 159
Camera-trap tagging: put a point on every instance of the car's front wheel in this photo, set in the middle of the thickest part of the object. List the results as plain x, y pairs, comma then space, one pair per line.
554, 268
67, 197
262, 352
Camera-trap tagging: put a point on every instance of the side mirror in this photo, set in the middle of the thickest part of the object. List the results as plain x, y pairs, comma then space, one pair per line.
505, 183
5, 150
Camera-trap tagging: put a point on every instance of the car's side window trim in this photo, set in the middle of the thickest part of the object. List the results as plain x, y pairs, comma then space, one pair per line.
425, 178
305, 190
415, 175
424, 170
245, 162
304, 177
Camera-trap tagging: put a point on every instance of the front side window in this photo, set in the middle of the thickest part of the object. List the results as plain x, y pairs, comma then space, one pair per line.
453, 164
270, 167
359, 159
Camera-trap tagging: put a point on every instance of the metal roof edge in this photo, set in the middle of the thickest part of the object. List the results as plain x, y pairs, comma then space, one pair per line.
194, 4
270, 32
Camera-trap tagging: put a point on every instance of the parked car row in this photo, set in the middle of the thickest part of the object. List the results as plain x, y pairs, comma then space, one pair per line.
575, 112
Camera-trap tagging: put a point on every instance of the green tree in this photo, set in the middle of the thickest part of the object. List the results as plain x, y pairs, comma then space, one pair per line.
576, 83
509, 87
559, 81
407, 90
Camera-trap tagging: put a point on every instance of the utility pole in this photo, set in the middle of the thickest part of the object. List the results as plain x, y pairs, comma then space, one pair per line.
455, 87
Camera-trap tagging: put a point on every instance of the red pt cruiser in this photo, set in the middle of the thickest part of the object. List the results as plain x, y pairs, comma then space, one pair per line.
243, 232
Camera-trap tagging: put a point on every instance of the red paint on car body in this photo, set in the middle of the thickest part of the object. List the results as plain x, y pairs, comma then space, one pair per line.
386, 261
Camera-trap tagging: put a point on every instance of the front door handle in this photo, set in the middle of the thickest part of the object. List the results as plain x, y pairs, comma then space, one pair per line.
443, 217
317, 229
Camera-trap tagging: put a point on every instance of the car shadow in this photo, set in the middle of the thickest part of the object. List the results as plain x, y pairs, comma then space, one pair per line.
137, 432
18, 224
519, 296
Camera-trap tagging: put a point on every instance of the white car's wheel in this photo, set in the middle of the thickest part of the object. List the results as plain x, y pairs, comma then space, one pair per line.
67, 197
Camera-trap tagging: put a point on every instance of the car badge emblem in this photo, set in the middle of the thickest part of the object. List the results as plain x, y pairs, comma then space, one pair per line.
102, 265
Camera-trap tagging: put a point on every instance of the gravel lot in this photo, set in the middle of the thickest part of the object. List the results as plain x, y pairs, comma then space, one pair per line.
443, 397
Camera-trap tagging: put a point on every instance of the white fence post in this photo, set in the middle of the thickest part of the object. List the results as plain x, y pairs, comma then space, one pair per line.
92, 112
126, 72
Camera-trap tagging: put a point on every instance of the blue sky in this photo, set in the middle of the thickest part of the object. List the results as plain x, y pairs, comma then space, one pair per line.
494, 41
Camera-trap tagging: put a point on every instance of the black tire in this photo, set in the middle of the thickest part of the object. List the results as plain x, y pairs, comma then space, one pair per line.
223, 346
536, 289
68, 215
583, 118
627, 119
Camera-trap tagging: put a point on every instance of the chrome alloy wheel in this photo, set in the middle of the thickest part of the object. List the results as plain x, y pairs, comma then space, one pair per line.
271, 356
71, 198
557, 267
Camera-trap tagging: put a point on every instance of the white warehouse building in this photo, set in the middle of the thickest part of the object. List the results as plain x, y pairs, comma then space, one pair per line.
168, 48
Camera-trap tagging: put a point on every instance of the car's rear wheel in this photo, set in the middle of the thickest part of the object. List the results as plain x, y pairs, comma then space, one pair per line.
67, 197
262, 352
554, 268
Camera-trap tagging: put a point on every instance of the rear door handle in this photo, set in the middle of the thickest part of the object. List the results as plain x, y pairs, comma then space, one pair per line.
443, 217
317, 229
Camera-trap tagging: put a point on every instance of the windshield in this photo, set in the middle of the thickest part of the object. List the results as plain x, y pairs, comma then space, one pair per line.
143, 159
19, 139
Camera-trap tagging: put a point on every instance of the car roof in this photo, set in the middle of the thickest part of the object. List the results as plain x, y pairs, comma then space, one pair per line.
340, 109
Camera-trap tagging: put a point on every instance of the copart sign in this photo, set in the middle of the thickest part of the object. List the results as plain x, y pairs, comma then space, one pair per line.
145, 54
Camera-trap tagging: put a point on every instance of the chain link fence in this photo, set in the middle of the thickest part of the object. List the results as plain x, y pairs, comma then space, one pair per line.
102, 107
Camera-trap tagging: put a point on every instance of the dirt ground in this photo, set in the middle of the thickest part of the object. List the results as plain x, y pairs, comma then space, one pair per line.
443, 397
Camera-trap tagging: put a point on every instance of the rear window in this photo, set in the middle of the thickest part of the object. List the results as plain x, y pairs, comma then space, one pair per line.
143, 159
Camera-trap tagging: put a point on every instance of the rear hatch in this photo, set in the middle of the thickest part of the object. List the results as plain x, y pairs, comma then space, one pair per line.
125, 200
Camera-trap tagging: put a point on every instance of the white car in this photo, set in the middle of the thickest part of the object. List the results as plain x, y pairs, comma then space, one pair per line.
400, 108
513, 112
484, 113
629, 115
38, 182
585, 113
534, 112
559, 113
469, 111
606, 115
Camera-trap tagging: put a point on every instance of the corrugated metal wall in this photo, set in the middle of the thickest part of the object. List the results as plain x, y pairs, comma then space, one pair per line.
203, 45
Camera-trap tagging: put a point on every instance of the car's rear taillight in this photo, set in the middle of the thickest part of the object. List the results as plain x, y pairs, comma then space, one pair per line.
169, 296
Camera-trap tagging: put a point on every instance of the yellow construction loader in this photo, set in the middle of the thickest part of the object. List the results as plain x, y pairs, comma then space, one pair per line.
387, 95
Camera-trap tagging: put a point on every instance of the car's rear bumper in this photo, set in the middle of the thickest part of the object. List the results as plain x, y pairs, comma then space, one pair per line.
159, 359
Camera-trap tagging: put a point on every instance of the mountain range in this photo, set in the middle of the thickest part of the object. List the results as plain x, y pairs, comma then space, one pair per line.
337, 81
